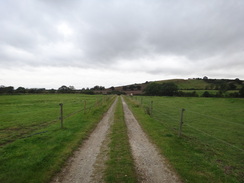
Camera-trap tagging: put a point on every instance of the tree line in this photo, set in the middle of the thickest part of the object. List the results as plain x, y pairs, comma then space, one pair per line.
62, 89
171, 89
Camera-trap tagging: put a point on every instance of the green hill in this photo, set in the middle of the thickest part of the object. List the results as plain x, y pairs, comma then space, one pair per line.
185, 84
189, 84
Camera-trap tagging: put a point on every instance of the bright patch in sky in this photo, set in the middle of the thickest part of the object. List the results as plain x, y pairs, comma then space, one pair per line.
65, 29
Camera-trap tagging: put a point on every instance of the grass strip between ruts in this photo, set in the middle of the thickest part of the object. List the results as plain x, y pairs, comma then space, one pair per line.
120, 166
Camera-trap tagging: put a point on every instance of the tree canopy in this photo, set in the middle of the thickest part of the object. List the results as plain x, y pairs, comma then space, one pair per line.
163, 89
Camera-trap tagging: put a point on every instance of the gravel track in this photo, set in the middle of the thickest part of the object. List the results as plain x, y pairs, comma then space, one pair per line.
88, 162
150, 165
87, 165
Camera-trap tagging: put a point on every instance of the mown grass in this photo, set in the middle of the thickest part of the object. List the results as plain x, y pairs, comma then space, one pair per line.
120, 167
211, 147
36, 158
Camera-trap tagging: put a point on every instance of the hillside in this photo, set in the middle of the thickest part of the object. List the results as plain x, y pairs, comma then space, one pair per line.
183, 84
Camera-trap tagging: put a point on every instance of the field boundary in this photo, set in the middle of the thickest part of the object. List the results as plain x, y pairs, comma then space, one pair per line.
30, 130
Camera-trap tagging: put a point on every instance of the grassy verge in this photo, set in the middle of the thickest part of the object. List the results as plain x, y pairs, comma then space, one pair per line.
37, 158
120, 166
197, 156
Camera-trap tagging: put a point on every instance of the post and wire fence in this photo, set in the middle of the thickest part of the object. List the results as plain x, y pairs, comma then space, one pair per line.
62, 111
83, 109
186, 123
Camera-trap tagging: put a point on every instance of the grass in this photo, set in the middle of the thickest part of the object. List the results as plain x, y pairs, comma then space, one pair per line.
25, 157
120, 166
211, 148
188, 84
213, 92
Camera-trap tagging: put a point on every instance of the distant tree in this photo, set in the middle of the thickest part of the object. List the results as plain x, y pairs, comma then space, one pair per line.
152, 89
168, 89
52, 91
20, 90
211, 86
205, 78
64, 89
112, 88
164, 89
98, 88
95, 88
6, 90
238, 81
138, 87
206, 94
232, 86
241, 91
125, 88
132, 87
223, 87
36, 90
102, 88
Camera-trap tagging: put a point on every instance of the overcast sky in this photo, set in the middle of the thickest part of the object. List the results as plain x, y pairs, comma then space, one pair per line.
83, 43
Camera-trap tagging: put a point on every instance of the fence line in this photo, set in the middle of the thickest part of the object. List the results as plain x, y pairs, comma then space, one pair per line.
9, 139
223, 141
215, 118
166, 115
157, 116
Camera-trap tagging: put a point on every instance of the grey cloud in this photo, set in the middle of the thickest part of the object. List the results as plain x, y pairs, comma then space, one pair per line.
165, 28
106, 32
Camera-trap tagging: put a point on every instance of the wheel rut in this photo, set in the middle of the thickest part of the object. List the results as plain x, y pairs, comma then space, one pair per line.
88, 162
87, 165
151, 166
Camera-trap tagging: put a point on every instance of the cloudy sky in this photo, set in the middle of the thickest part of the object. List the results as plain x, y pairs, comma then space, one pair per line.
83, 43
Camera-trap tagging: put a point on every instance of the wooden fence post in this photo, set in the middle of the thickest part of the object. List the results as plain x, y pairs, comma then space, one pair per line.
151, 108
61, 115
181, 122
84, 106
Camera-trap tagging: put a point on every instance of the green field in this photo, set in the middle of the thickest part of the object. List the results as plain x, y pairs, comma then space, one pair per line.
188, 84
213, 92
211, 147
32, 144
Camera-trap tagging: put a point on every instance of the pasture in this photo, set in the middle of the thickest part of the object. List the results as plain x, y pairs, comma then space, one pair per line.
211, 147
33, 146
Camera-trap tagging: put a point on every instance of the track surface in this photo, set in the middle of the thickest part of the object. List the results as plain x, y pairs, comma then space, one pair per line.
88, 162
83, 166
150, 165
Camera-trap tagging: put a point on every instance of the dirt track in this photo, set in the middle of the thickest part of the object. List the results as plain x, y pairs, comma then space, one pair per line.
88, 162
150, 165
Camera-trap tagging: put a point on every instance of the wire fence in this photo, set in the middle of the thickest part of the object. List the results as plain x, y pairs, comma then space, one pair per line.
11, 134
227, 135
